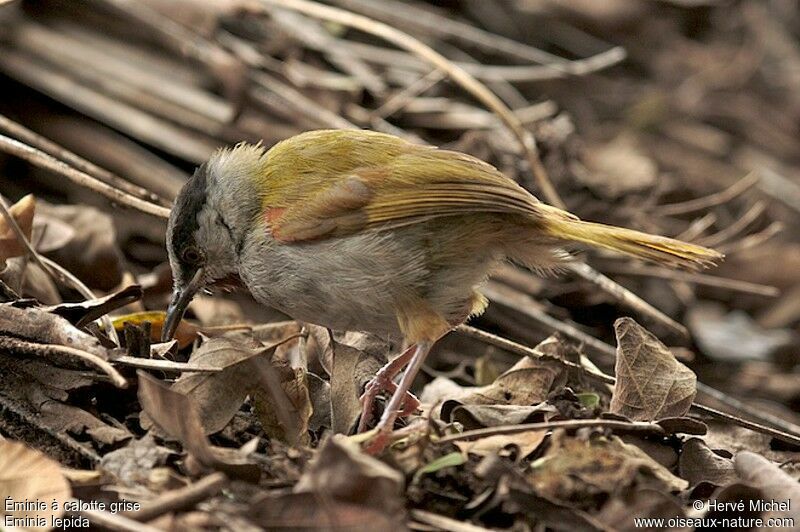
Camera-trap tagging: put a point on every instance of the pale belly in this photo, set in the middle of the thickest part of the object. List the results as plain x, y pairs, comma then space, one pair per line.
353, 283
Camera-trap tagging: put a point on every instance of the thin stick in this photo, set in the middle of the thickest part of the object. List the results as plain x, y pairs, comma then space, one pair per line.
59, 152
43, 160
735, 228
614, 424
755, 427
751, 241
465, 80
91, 359
718, 198
401, 99
181, 499
163, 365
696, 278
625, 296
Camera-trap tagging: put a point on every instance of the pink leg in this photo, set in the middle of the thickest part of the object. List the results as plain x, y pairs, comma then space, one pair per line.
384, 427
383, 380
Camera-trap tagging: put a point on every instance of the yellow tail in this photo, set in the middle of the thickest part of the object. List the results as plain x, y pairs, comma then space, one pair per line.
659, 249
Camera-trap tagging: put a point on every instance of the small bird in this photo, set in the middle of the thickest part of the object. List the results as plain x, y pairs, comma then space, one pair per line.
358, 230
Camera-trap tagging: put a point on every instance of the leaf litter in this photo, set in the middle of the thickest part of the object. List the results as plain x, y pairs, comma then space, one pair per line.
246, 421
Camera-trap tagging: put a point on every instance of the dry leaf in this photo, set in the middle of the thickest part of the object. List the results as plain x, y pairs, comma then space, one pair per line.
312, 511
530, 381
342, 471
176, 415
524, 442
219, 396
36, 325
93, 254
587, 472
698, 463
27, 476
651, 383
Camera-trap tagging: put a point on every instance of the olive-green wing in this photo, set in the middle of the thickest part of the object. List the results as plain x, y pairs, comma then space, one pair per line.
412, 187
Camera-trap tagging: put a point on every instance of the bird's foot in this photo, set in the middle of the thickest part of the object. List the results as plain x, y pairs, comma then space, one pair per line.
378, 384
376, 444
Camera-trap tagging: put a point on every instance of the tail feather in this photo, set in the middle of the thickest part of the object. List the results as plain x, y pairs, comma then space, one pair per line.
654, 248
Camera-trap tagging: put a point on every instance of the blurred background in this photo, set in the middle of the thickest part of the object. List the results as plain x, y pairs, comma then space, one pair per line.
678, 117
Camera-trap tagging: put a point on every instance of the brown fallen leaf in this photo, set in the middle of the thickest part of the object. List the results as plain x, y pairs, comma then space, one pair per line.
479, 416
524, 443
698, 463
528, 382
587, 472
36, 325
354, 362
342, 471
219, 396
93, 254
651, 383
28, 477
176, 415
22, 212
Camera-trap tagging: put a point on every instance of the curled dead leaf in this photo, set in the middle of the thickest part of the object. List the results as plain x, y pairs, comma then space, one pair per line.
651, 382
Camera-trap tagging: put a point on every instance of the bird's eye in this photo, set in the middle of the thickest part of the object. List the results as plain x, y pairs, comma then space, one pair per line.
191, 255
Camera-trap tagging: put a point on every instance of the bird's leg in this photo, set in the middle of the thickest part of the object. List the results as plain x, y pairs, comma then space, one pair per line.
384, 380
384, 427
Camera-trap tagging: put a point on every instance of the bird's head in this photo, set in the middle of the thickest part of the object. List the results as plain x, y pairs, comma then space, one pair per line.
211, 216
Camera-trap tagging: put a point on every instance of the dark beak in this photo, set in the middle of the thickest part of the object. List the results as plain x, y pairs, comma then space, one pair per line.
181, 297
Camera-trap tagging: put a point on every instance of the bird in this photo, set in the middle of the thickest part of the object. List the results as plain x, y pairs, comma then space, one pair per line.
365, 231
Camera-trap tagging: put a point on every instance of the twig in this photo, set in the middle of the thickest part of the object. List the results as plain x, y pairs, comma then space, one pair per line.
751, 241
465, 80
181, 499
750, 216
300, 102
52, 268
163, 365
614, 424
400, 99
697, 227
718, 198
400, 14
695, 278
625, 296
93, 360
43, 160
59, 152
755, 427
